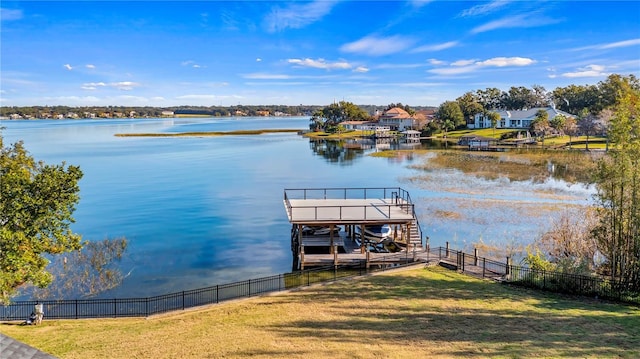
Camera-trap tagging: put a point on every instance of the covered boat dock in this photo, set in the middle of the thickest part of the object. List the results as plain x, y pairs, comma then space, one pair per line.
331, 225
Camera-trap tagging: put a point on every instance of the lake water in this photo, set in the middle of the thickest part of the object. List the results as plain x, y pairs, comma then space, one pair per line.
199, 211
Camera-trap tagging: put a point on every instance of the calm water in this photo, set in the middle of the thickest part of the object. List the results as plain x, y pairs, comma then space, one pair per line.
204, 211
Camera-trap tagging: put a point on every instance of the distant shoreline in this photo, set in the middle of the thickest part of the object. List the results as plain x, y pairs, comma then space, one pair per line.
208, 133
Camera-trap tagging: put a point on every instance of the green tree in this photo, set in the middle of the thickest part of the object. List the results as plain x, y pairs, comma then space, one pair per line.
519, 98
618, 194
587, 125
330, 116
450, 115
540, 124
36, 206
558, 123
470, 106
84, 273
491, 98
407, 108
494, 117
570, 128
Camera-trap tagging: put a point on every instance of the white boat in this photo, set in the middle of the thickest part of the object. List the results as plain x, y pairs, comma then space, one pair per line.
319, 230
375, 233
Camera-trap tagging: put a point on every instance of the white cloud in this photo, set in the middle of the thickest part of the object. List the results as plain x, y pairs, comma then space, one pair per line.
68, 67
507, 61
361, 69
378, 46
92, 85
10, 14
453, 70
263, 76
436, 62
435, 47
320, 64
400, 66
192, 64
517, 21
463, 62
467, 66
587, 71
258, 60
625, 43
297, 15
90, 66
125, 85
484, 9
611, 45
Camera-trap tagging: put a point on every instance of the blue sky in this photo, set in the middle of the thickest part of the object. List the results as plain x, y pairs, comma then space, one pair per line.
222, 53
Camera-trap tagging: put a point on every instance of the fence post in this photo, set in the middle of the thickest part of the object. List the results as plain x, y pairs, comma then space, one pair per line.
76, 309
217, 293
462, 255
446, 253
183, 300
146, 306
475, 256
484, 266
115, 308
507, 267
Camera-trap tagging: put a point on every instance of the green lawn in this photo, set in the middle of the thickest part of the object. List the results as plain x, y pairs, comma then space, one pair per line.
411, 313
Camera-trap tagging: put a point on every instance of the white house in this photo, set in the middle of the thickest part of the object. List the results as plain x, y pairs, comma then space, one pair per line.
515, 119
397, 119
353, 125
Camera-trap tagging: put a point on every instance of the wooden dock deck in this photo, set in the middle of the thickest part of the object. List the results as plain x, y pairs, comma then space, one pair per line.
350, 210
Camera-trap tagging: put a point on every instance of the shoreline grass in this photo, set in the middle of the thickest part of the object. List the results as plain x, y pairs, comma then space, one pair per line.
409, 313
208, 134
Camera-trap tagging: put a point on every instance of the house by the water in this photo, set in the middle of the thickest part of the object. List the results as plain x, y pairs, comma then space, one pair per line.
515, 118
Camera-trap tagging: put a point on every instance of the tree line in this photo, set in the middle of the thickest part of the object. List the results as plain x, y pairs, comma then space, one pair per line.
44, 112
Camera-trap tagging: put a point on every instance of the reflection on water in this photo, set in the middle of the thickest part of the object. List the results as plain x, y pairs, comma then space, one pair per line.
344, 151
206, 211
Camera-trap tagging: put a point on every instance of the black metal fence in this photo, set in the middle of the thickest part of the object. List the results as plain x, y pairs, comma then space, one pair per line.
558, 282
592, 286
465, 262
144, 307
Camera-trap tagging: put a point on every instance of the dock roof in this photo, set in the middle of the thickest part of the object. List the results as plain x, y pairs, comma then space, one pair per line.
348, 206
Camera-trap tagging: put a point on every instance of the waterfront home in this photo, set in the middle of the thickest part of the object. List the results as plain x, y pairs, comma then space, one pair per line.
354, 125
515, 118
397, 119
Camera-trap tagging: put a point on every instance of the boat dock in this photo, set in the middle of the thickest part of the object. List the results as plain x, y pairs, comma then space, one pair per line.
332, 225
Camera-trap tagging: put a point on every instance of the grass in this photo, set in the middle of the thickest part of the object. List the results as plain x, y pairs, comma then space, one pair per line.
518, 165
206, 134
410, 313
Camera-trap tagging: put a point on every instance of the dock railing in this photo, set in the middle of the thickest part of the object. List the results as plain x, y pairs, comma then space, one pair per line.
458, 260
399, 198
347, 193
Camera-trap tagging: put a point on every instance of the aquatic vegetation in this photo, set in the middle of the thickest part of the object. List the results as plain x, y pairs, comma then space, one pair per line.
517, 165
